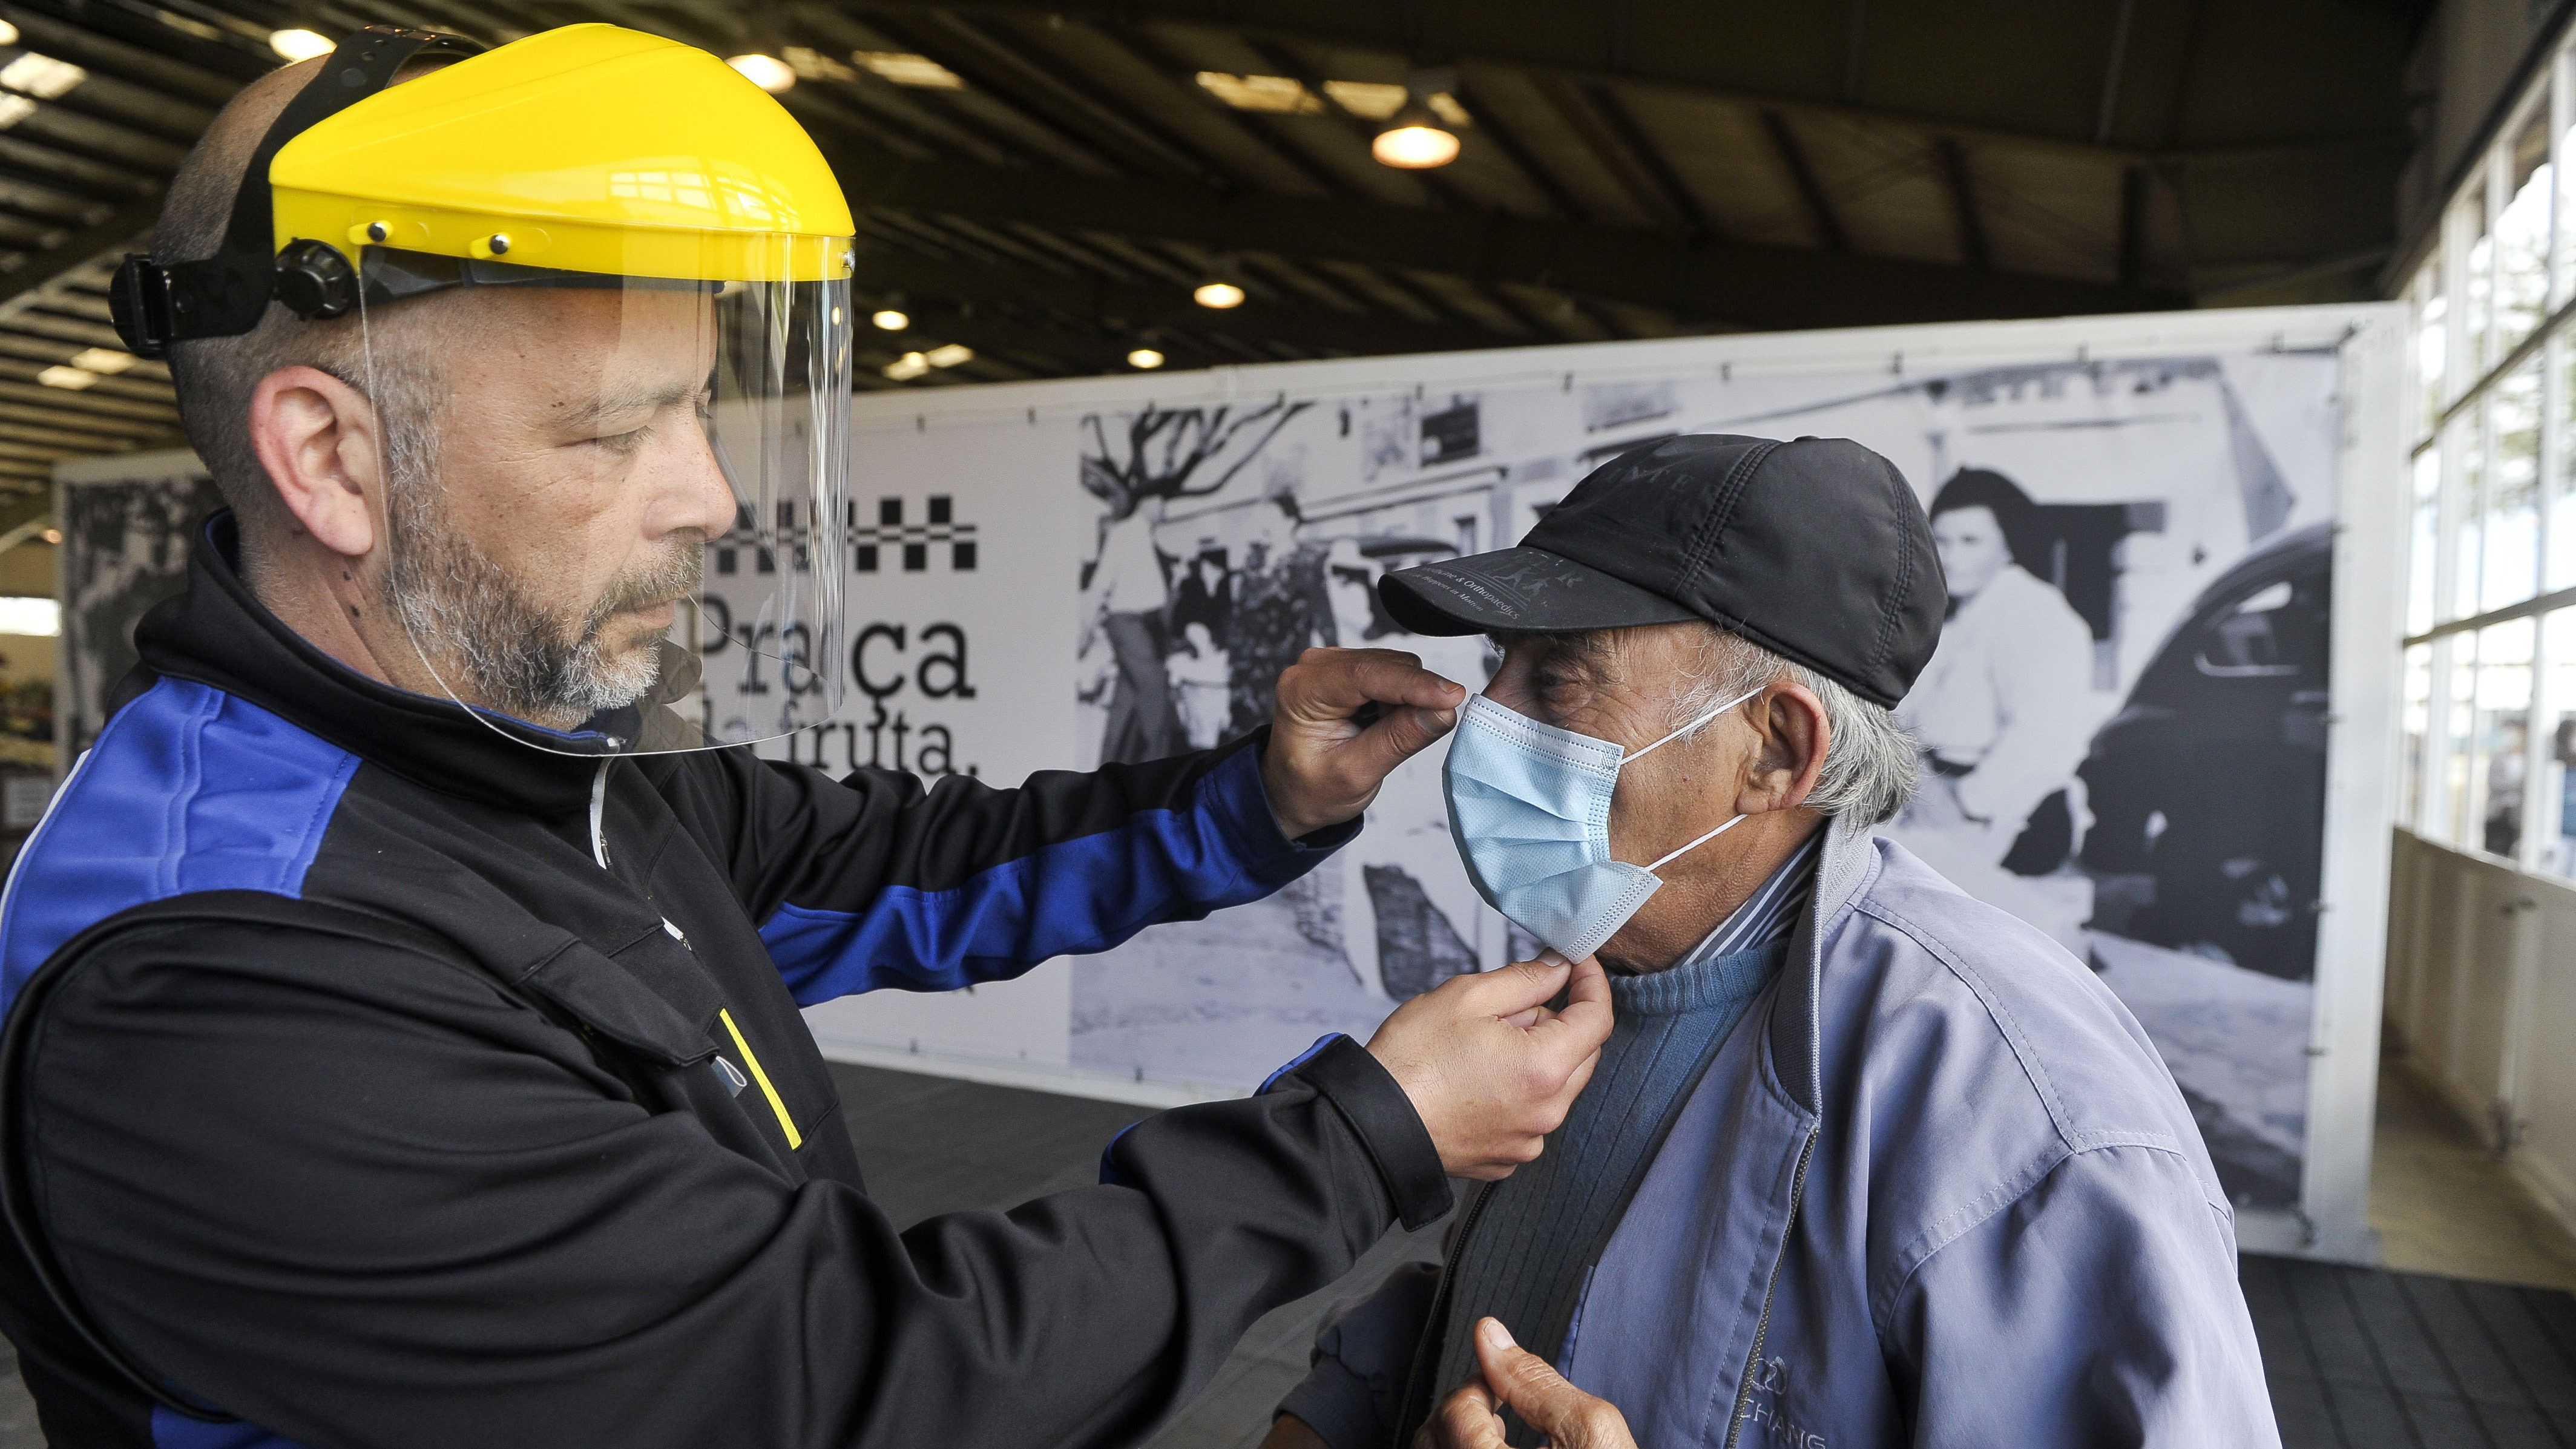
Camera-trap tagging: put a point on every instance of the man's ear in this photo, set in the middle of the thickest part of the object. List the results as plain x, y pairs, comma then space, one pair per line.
1791, 739
317, 439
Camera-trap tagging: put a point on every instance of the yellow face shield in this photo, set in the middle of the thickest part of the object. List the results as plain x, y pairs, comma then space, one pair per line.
603, 287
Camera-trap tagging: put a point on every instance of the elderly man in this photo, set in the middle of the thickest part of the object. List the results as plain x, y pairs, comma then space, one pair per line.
1866, 1162
402, 1043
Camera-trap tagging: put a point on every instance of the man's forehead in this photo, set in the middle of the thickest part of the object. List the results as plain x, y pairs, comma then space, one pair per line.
586, 337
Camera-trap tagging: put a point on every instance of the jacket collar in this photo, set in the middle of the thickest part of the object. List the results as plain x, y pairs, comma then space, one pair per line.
1849, 860
217, 634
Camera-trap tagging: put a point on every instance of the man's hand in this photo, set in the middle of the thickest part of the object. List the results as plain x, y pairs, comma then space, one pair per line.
1489, 1066
1324, 766
1569, 1417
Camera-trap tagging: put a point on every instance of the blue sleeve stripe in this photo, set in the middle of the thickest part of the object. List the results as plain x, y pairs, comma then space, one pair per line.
1301, 1059
172, 1431
1110, 1176
1085, 894
187, 789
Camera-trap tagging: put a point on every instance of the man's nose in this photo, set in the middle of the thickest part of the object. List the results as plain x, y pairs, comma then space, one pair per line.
702, 497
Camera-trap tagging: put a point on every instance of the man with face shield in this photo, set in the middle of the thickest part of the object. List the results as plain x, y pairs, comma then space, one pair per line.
401, 1041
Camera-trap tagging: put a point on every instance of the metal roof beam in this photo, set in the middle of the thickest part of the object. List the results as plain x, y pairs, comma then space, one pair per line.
1963, 201
1140, 308
1651, 160
1793, 159
1494, 35
1741, 283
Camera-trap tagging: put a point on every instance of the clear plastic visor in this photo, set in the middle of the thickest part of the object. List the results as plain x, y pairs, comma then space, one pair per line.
610, 510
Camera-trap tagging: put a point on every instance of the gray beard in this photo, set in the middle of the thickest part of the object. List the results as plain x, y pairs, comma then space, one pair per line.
467, 613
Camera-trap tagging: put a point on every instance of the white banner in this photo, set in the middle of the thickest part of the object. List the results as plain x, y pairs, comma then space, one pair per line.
1144, 566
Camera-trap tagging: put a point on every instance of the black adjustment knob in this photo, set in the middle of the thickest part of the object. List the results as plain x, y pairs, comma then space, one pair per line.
314, 280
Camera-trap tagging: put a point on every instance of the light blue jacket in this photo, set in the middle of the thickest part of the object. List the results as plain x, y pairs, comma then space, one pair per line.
1937, 1189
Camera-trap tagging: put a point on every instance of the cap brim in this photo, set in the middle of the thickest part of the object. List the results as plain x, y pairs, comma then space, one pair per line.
1519, 591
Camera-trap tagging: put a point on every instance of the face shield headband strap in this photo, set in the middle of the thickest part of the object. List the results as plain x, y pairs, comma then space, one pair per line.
226, 294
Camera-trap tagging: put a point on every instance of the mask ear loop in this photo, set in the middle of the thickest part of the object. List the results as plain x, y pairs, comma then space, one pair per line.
1627, 760
1668, 739
1696, 844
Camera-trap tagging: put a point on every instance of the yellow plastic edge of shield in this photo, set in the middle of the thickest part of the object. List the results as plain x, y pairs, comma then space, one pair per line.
590, 148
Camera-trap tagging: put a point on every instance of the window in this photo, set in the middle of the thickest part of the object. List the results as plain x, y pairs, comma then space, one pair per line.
2424, 539
2522, 237
2432, 344
2449, 801
2500, 743
2416, 720
2488, 678
2477, 276
2509, 528
2553, 847
2468, 469
2561, 530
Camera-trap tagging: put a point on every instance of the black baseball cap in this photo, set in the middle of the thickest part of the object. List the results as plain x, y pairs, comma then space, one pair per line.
1816, 549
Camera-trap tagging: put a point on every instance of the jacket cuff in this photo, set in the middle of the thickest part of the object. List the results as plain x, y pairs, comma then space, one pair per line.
1366, 1094
1241, 801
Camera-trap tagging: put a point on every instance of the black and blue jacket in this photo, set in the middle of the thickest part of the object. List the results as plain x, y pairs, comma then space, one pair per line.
372, 1078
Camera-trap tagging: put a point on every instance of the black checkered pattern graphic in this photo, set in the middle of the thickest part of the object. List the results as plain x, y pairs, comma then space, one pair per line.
870, 544
912, 541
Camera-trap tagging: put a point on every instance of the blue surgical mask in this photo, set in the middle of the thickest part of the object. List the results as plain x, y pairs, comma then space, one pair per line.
1529, 805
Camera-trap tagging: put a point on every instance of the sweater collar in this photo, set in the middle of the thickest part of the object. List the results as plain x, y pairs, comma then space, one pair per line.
1709, 983
216, 633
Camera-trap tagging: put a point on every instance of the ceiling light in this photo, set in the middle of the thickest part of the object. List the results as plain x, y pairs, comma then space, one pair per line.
40, 617
950, 355
765, 71
1369, 100
295, 45
105, 361
41, 76
14, 109
1277, 94
1415, 143
1145, 359
1218, 295
907, 69
50, 535
812, 64
69, 379
8, 33
907, 367
890, 320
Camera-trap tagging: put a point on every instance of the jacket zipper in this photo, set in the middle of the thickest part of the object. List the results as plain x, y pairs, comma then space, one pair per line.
1762, 1325
598, 810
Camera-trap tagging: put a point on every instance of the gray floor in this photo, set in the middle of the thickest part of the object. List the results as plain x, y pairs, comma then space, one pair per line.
2357, 1358
932, 1145
2367, 1359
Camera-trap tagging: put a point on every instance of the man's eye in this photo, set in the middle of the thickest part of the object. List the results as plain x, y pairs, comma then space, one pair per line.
625, 443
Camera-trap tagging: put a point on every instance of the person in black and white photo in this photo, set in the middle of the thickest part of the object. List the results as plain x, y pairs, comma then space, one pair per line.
2000, 727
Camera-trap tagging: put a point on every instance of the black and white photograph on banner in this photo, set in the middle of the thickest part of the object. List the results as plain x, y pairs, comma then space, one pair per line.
129, 523
2122, 731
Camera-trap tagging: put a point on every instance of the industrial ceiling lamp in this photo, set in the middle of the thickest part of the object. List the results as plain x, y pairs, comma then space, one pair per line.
1415, 138
299, 44
1224, 287
761, 62
890, 316
1144, 359
764, 70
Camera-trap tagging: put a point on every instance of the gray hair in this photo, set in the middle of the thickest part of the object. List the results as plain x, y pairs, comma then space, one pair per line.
1871, 763
215, 377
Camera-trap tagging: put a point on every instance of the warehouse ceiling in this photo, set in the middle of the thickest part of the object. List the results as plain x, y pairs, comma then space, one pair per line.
1041, 185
